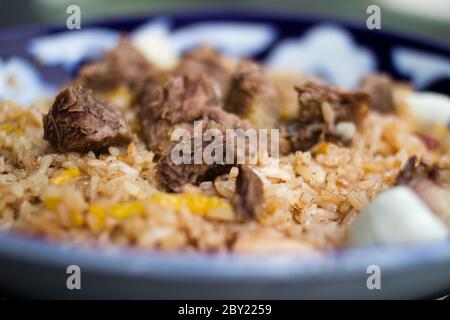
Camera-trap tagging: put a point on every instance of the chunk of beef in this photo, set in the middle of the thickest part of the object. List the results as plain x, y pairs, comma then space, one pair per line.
379, 87
179, 102
157, 135
252, 96
345, 105
124, 65
181, 99
174, 175
205, 61
78, 121
326, 114
304, 137
249, 194
248, 150
430, 183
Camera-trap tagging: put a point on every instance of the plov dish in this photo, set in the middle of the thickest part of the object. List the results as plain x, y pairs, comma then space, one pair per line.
95, 164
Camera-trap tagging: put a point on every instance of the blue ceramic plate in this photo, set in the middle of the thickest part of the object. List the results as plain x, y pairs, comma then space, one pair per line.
43, 58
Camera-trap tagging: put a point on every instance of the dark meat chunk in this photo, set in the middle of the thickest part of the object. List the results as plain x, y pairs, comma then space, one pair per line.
252, 96
346, 106
248, 150
249, 195
157, 135
181, 99
78, 121
430, 183
179, 102
205, 61
247, 82
124, 65
175, 175
379, 87
304, 137
326, 114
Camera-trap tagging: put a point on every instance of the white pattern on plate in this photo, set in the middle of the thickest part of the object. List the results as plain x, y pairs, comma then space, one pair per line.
325, 50
422, 67
71, 47
232, 38
21, 82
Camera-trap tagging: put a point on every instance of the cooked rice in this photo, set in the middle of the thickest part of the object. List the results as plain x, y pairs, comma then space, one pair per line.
310, 197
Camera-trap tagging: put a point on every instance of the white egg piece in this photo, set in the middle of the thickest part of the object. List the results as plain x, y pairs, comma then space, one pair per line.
396, 216
429, 108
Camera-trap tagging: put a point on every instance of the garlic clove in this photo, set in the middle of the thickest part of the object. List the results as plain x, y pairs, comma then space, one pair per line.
396, 216
429, 108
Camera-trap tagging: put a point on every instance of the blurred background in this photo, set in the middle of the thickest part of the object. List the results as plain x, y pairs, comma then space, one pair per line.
428, 18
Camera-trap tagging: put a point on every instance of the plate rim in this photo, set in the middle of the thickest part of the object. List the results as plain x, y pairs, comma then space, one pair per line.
153, 264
